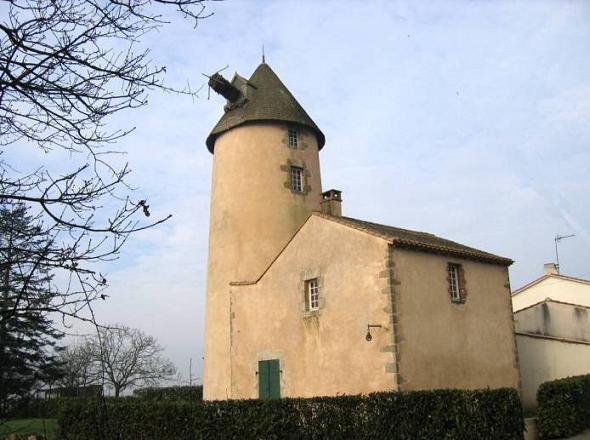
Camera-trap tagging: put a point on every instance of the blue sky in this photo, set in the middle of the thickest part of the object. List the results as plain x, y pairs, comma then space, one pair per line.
469, 120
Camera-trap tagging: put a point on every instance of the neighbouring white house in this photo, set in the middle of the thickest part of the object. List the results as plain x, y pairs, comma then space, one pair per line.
552, 325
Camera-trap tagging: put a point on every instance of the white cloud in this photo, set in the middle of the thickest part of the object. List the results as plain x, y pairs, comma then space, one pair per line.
571, 105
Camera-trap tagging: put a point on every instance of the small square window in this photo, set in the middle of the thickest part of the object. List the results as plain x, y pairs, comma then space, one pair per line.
297, 179
293, 138
456, 282
312, 295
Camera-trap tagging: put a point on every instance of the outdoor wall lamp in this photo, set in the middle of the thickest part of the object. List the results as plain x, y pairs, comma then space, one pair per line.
369, 337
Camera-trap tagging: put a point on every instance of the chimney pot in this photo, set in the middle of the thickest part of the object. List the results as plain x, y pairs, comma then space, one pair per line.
332, 202
550, 269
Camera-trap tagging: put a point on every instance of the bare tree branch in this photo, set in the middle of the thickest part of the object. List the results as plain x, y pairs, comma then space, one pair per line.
66, 67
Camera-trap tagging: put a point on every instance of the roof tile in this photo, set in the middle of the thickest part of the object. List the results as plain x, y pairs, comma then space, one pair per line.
419, 240
267, 99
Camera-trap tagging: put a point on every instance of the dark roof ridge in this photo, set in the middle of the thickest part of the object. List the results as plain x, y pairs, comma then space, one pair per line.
418, 240
392, 227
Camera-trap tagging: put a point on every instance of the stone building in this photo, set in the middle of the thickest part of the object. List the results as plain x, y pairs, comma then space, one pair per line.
302, 301
552, 323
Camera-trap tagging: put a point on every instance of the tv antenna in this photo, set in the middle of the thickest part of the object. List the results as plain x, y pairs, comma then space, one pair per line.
558, 238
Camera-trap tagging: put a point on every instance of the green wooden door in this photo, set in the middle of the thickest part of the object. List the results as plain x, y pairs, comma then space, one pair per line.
269, 380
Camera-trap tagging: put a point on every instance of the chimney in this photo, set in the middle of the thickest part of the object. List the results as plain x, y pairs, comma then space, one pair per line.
332, 202
550, 269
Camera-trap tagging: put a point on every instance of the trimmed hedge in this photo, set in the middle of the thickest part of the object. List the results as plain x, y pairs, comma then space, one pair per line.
170, 393
439, 414
33, 407
564, 407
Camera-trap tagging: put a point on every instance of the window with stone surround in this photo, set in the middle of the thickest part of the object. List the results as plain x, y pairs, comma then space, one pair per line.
456, 280
312, 295
296, 179
292, 138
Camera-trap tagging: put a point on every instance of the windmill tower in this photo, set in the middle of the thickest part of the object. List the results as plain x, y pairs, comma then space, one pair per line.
266, 182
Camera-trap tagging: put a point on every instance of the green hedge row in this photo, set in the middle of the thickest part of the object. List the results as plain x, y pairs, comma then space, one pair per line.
170, 393
439, 414
33, 407
564, 407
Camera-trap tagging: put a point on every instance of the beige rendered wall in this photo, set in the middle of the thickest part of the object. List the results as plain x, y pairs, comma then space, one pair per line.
253, 215
447, 345
322, 353
544, 359
555, 319
560, 289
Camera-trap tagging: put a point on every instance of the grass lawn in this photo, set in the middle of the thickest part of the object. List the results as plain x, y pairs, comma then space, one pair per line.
30, 426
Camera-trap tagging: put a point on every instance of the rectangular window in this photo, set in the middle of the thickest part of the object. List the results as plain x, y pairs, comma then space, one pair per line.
297, 179
455, 281
312, 295
292, 138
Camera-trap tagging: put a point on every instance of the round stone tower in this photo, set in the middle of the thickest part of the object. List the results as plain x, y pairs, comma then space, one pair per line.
266, 182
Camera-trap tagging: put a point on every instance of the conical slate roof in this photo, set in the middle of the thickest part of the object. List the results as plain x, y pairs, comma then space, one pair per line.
267, 99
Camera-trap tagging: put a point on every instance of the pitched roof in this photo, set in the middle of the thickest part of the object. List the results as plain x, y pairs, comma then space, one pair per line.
267, 99
424, 241
546, 277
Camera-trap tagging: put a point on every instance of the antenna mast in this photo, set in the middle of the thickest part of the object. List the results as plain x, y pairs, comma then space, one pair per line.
558, 238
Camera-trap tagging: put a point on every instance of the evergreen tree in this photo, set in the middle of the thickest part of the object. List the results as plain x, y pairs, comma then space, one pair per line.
28, 340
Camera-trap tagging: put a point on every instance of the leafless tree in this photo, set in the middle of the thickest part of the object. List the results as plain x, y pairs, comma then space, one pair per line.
66, 67
78, 366
127, 357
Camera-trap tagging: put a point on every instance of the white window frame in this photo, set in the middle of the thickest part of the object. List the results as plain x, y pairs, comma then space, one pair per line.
292, 136
454, 282
312, 294
296, 177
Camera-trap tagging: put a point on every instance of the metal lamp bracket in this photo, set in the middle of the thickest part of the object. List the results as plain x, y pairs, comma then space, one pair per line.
369, 337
